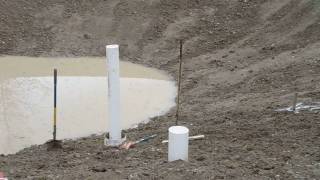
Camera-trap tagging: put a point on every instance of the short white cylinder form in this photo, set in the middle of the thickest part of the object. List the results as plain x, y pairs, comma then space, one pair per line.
178, 143
114, 95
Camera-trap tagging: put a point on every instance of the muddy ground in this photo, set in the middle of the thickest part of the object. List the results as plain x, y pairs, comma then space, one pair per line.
243, 59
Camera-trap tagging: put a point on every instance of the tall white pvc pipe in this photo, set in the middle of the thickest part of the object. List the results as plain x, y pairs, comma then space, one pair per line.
113, 95
178, 143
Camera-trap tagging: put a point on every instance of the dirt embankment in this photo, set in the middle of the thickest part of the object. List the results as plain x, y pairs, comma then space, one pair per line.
242, 60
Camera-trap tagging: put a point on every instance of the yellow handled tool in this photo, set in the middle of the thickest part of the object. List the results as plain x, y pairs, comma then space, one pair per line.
54, 144
55, 105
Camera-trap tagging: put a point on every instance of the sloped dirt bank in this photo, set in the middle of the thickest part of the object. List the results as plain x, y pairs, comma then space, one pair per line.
243, 60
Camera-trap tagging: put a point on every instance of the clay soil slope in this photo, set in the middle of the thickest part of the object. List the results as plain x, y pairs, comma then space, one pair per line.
243, 59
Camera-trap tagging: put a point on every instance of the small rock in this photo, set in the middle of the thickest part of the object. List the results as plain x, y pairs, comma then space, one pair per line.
118, 171
86, 36
77, 155
228, 164
236, 157
145, 174
41, 166
201, 158
265, 165
98, 169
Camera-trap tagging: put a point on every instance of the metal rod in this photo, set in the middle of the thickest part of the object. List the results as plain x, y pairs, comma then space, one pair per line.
179, 83
55, 105
190, 138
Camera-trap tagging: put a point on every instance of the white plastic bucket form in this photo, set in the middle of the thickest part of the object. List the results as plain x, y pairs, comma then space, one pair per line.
178, 143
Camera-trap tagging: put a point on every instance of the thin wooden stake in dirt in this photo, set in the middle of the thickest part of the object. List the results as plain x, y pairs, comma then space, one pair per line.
55, 105
294, 102
179, 83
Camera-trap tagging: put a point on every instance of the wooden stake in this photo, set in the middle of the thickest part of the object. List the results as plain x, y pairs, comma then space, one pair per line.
295, 97
179, 83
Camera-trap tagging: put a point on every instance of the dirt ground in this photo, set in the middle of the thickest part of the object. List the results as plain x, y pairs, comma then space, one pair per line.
243, 59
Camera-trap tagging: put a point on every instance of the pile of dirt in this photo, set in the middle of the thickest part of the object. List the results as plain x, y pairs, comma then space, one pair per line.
243, 59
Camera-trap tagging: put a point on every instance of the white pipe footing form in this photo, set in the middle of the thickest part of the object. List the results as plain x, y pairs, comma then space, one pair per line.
114, 138
178, 143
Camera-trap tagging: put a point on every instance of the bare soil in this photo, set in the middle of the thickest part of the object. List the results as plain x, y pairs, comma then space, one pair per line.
243, 59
